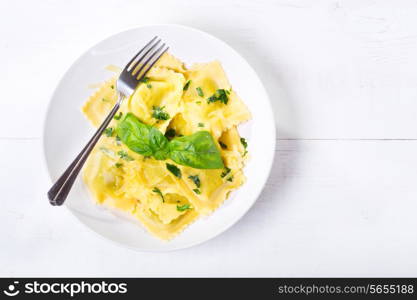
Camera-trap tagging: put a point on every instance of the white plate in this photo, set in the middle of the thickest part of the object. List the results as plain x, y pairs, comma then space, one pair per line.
66, 131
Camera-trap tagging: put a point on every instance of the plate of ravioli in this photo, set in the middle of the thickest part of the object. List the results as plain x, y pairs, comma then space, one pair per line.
202, 102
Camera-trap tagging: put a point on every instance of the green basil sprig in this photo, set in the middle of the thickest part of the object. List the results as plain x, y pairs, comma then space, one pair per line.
141, 138
198, 150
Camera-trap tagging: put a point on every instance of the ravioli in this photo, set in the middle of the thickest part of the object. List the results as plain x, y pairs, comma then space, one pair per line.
216, 117
168, 100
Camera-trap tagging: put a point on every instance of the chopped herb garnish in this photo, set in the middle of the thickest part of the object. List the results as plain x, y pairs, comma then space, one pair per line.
200, 124
174, 170
230, 179
170, 133
244, 142
159, 113
195, 179
183, 207
118, 140
245, 145
223, 145
198, 102
118, 116
118, 165
198, 150
123, 155
108, 152
144, 80
186, 86
105, 100
108, 131
220, 95
200, 92
197, 191
225, 172
112, 87
149, 86
158, 191
135, 208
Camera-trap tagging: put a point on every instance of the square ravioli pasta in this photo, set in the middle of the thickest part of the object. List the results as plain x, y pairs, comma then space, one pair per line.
163, 195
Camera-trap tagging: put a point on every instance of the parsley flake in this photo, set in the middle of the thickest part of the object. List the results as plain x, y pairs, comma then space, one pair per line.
200, 92
123, 155
158, 191
118, 116
108, 152
225, 172
108, 131
174, 170
170, 133
223, 145
159, 113
183, 207
187, 85
220, 95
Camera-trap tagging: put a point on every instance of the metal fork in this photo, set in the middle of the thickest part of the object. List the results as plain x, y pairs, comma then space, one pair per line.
128, 80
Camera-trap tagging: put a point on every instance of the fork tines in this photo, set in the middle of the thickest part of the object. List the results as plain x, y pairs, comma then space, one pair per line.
146, 58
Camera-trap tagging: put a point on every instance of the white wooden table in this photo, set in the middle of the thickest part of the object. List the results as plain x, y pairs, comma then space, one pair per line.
342, 196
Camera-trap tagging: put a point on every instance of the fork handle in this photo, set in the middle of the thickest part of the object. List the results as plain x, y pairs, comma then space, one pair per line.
60, 190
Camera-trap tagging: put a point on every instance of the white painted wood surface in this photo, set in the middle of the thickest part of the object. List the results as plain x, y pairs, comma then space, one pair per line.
341, 199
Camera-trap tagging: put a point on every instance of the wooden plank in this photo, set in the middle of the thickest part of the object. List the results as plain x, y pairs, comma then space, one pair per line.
330, 208
333, 69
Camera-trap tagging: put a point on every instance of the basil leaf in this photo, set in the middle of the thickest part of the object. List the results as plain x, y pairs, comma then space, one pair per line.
245, 145
197, 151
108, 131
141, 138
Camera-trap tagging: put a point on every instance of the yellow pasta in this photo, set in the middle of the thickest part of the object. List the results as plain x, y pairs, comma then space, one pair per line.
142, 186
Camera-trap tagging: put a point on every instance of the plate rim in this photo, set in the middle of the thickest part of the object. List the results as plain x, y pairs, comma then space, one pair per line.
186, 245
